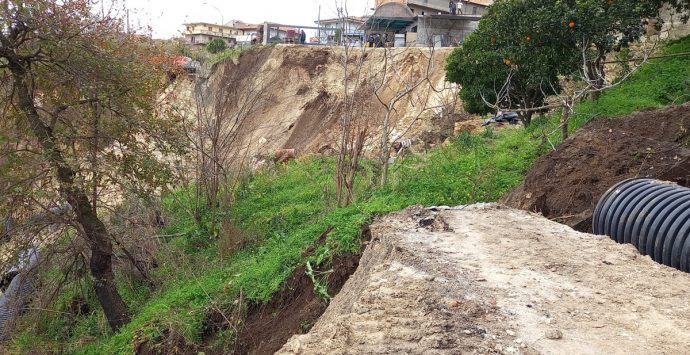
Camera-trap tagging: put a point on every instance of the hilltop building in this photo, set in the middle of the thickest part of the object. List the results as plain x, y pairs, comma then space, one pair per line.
347, 28
234, 32
426, 22
200, 33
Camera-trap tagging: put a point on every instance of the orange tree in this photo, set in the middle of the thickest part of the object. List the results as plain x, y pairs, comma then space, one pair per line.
78, 117
513, 60
599, 27
521, 48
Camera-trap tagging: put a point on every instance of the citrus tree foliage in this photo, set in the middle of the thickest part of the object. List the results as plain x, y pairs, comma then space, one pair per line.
79, 122
597, 28
216, 45
515, 51
523, 46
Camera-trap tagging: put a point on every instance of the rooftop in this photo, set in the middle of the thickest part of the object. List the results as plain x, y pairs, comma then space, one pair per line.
358, 19
206, 24
480, 2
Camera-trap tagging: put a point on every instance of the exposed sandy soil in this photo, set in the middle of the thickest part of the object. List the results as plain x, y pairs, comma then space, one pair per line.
489, 279
293, 97
566, 184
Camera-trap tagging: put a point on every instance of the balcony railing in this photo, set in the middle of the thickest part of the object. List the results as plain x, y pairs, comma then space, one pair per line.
212, 33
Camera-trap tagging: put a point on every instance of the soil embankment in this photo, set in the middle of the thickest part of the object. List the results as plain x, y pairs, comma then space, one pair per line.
489, 279
566, 184
292, 97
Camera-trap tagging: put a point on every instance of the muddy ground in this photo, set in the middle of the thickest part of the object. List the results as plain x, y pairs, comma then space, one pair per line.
490, 279
566, 184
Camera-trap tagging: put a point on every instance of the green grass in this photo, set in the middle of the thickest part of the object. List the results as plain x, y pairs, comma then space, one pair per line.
658, 83
289, 207
283, 210
228, 54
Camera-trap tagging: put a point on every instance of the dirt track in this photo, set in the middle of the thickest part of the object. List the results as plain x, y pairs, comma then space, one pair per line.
496, 280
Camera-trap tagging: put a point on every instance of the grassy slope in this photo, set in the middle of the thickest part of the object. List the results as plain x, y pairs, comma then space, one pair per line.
661, 82
283, 210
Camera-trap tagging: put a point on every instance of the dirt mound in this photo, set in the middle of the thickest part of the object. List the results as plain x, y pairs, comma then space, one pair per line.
566, 184
493, 280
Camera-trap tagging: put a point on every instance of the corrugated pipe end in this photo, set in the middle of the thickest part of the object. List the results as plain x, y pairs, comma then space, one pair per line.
652, 215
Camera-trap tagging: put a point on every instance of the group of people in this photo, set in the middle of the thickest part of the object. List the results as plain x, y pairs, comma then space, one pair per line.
377, 40
453, 7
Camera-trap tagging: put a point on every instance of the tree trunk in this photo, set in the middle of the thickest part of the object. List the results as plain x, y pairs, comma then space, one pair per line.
565, 118
95, 232
596, 74
385, 149
526, 118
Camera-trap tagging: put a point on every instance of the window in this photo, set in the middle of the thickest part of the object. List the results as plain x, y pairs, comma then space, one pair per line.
210, 28
474, 10
193, 39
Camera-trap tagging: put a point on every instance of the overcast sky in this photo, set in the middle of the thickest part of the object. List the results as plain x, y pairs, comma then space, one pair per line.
165, 17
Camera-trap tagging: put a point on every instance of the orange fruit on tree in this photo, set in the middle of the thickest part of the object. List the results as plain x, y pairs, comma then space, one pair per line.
571, 24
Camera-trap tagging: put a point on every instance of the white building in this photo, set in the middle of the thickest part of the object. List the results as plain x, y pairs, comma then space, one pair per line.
200, 33
341, 29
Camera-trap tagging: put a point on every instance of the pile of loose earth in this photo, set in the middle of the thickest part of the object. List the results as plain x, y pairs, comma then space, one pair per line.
566, 184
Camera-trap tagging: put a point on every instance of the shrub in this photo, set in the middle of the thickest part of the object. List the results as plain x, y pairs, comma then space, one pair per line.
216, 45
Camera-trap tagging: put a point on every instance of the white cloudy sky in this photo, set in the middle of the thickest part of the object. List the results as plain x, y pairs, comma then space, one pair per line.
166, 16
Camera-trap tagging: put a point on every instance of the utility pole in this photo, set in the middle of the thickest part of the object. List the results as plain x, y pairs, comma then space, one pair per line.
318, 21
222, 20
267, 32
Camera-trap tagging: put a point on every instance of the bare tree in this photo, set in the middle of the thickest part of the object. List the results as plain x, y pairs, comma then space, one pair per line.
353, 132
395, 77
400, 81
220, 110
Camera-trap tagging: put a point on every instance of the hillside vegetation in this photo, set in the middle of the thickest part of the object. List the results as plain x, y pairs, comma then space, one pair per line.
280, 211
661, 82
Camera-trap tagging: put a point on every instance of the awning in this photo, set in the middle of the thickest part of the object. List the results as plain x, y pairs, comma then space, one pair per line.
390, 17
389, 24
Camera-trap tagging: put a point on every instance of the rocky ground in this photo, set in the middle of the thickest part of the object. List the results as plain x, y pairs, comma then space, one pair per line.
489, 279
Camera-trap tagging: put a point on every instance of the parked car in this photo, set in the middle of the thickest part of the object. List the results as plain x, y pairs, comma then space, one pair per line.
504, 117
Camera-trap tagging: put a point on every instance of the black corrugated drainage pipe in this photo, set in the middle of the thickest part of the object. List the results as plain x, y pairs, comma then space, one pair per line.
652, 215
